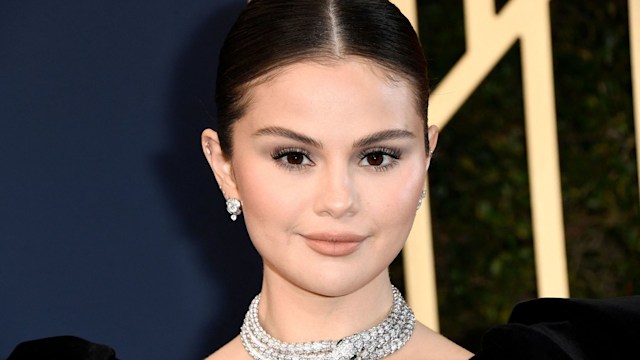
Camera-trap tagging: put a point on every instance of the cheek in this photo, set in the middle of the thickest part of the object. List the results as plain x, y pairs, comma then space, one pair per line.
263, 213
392, 202
403, 190
267, 201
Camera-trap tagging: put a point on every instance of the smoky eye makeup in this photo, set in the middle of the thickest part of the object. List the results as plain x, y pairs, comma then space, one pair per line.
291, 158
380, 158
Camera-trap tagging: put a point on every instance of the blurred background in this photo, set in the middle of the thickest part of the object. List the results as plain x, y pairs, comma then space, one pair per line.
111, 226
480, 202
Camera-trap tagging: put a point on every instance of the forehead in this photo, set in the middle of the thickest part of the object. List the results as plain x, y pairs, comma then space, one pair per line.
335, 93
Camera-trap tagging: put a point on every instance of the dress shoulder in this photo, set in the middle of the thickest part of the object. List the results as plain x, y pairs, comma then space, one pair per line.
551, 328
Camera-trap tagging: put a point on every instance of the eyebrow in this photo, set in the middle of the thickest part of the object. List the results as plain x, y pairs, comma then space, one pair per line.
282, 132
364, 142
383, 136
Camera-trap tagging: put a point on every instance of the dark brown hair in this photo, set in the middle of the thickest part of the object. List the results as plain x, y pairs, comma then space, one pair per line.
270, 34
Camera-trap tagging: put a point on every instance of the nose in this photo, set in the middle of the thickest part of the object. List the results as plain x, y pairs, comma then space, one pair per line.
336, 194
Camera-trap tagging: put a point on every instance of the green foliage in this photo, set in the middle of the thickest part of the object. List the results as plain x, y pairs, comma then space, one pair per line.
479, 180
596, 133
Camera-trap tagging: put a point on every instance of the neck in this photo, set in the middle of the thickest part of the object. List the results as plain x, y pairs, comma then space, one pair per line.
292, 314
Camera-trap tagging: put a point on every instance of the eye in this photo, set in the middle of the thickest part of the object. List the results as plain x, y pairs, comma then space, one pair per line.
379, 159
375, 159
292, 159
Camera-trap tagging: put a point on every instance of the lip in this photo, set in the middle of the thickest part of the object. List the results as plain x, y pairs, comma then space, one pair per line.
333, 243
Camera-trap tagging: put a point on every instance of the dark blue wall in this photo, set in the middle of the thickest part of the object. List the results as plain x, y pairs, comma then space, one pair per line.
111, 225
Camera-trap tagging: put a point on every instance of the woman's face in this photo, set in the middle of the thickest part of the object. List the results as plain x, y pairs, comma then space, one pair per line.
329, 162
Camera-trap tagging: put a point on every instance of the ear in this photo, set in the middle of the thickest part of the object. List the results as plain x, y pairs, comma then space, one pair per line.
432, 133
220, 165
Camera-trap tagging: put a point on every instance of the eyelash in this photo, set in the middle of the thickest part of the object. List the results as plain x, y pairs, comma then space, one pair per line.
280, 154
395, 155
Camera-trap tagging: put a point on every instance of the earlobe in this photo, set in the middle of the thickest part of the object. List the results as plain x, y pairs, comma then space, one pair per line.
220, 165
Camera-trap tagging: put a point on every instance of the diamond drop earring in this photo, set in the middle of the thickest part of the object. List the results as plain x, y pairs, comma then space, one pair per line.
422, 196
234, 208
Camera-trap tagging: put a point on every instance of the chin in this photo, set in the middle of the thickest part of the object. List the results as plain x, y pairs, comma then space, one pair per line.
339, 283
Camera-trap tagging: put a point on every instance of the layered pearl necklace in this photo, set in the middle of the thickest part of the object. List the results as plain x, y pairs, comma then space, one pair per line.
372, 344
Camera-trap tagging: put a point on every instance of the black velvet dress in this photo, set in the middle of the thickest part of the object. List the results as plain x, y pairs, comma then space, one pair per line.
562, 329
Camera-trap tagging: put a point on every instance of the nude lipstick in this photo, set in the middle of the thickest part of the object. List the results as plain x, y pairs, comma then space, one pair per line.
333, 244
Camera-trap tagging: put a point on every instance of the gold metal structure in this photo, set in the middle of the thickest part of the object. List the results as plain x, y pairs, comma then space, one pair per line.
489, 35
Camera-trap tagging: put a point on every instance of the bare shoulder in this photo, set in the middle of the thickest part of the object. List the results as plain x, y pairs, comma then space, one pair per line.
233, 350
426, 344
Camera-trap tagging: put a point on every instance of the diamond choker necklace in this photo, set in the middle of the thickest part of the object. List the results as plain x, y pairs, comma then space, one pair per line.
372, 344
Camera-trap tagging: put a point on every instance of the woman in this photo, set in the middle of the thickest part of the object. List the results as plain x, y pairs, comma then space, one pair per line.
323, 146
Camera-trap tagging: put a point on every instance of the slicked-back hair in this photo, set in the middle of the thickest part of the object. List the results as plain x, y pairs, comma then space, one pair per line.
271, 34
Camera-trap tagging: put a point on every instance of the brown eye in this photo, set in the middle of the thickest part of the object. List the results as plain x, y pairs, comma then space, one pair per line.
295, 158
375, 159
292, 159
380, 159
